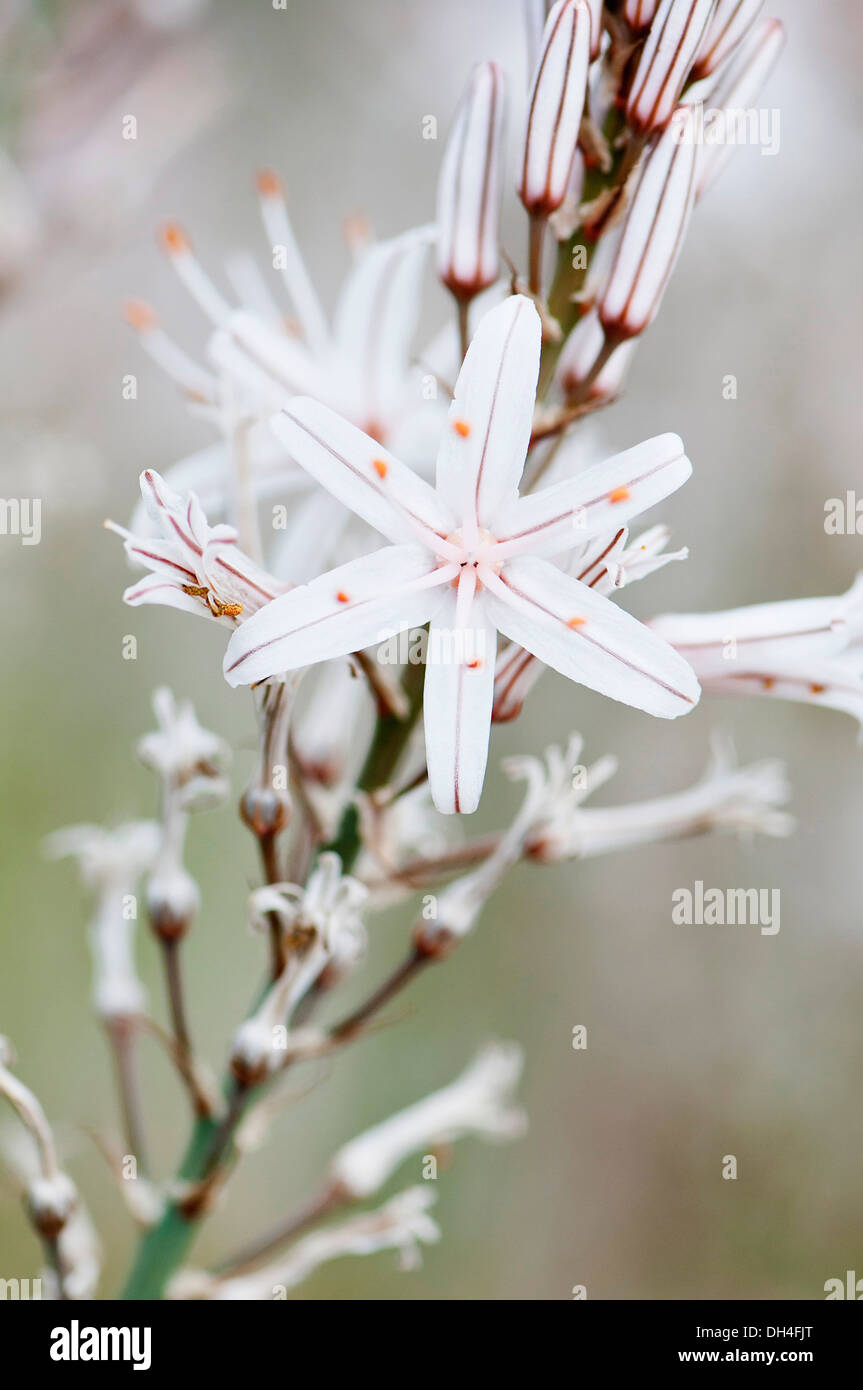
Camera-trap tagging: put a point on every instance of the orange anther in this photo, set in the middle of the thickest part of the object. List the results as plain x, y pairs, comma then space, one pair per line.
620, 494
268, 184
817, 689
461, 427
474, 665
380, 466
139, 315
342, 596
576, 622
174, 239
768, 682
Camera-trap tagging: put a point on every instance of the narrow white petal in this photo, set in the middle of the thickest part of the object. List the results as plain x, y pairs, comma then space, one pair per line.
482, 455
343, 611
362, 474
376, 319
758, 636
459, 690
589, 639
601, 499
157, 589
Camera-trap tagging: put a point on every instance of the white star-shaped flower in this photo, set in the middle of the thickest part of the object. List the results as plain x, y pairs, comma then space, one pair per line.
470, 557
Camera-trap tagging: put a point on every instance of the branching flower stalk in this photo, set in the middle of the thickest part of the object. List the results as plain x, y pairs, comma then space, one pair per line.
396, 539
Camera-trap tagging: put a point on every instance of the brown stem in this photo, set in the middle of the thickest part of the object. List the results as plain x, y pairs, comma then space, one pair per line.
309, 1213
121, 1034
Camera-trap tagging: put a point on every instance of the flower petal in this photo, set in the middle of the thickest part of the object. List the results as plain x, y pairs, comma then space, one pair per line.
363, 475
459, 689
482, 455
588, 638
342, 611
601, 499
376, 319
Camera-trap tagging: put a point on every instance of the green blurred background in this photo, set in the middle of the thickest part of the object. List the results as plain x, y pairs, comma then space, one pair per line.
701, 1042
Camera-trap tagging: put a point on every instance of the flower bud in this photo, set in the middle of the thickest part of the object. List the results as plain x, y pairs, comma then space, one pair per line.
737, 89
731, 22
639, 13
173, 900
556, 106
264, 810
653, 231
468, 202
582, 349
674, 39
50, 1203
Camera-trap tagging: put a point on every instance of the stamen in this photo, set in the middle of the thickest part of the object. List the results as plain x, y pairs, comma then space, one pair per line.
461, 427
195, 590
139, 315
191, 272
619, 494
816, 688
380, 466
268, 183
576, 622
342, 596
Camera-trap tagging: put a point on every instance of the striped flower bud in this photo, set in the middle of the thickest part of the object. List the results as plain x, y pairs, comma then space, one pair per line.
674, 39
639, 13
468, 201
653, 231
737, 90
731, 22
556, 106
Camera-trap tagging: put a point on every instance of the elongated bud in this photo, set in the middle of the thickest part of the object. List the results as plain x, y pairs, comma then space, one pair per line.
653, 231
595, 7
639, 13
674, 39
468, 201
731, 22
737, 90
556, 106
583, 347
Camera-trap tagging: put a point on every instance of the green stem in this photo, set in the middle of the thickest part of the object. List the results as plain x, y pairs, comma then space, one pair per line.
165, 1247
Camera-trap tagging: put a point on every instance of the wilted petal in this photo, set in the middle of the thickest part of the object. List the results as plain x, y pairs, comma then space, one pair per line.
343, 611
589, 639
654, 230
459, 687
468, 208
362, 474
482, 455
601, 499
556, 107
674, 39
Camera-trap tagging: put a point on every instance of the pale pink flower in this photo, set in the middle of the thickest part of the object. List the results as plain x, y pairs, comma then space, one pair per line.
195, 567
472, 557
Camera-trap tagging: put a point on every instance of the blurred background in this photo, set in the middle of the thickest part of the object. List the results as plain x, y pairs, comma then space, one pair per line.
701, 1042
